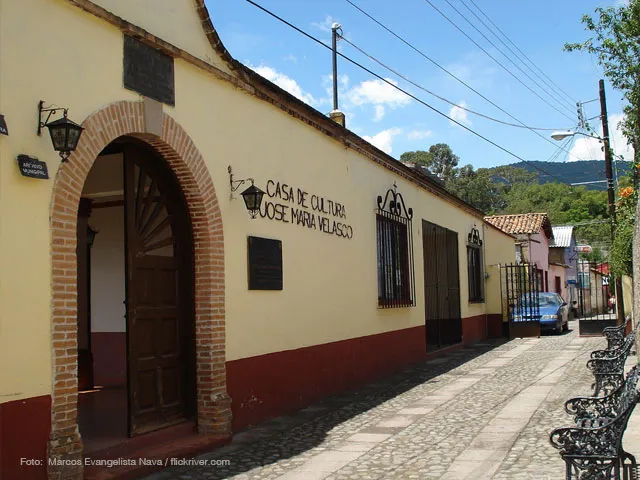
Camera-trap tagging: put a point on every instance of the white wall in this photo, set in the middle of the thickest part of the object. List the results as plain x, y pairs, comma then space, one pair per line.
107, 270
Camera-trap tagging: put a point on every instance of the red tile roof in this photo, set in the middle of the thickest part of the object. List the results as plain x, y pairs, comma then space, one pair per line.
522, 223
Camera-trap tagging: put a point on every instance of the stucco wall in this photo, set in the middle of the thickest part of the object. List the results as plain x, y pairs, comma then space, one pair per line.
539, 251
558, 271
330, 288
499, 250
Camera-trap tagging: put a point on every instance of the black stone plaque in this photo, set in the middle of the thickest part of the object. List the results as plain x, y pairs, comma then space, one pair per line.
32, 167
148, 71
265, 263
3, 126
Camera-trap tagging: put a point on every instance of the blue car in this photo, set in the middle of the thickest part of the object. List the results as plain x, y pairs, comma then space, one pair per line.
553, 311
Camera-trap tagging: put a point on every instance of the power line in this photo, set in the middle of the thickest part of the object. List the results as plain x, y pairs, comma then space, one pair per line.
422, 54
391, 84
406, 79
557, 95
496, 60
517, 48
553, 95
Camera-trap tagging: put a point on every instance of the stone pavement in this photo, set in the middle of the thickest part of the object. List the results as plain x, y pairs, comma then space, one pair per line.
477, 413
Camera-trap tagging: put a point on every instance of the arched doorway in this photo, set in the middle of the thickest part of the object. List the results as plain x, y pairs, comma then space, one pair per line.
136, 345
177, 151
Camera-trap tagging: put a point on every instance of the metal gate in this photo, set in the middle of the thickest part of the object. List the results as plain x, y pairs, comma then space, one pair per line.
595, 297
520, 286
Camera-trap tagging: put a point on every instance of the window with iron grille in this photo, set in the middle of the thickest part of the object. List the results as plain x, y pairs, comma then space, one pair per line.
475, 268
394, 253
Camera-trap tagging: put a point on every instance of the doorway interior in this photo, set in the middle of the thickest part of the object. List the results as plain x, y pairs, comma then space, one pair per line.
136, 337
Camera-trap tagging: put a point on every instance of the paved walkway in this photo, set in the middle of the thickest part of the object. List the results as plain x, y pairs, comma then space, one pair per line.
478, 413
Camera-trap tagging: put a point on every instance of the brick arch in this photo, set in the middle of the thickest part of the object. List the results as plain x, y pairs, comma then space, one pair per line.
179, 151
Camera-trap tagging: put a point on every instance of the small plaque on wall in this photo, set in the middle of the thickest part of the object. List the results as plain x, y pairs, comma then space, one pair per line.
265, 263
3, 126
32, 167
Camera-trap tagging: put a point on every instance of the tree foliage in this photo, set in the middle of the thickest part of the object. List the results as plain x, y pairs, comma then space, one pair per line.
616, 45
439, 160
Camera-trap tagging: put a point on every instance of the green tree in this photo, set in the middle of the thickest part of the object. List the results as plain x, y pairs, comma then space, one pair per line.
616, 45
444, 161
419, 157
439, 160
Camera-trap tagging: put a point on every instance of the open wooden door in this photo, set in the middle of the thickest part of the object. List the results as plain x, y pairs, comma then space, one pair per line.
159, 301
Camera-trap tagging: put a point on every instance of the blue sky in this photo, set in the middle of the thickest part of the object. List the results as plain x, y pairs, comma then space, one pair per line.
396, 123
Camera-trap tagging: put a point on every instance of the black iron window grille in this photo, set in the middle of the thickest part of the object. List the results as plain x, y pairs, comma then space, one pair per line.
396, 282
475, 267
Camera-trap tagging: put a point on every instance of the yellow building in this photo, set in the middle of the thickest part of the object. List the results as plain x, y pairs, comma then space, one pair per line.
141, 302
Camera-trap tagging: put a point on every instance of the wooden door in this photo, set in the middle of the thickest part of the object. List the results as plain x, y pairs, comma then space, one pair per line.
442, 286
159, 304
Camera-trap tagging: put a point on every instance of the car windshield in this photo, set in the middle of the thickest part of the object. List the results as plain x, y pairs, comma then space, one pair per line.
545, 299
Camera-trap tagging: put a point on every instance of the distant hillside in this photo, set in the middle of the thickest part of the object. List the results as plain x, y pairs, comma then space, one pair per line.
574, 172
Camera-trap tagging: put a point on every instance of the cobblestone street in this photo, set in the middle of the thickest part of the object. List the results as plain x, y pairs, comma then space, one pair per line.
480, 412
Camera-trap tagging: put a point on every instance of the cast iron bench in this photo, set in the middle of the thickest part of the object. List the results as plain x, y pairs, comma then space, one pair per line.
593, 448
593, 411
615, 339
609, 370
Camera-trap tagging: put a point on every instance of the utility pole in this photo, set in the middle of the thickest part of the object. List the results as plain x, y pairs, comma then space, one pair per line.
336, 115
608, 161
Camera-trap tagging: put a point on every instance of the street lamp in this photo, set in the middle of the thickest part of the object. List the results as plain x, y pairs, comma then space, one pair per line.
608, 161
568, 133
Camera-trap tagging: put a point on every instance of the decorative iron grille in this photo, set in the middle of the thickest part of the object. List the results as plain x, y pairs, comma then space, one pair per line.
396, 279
475, 267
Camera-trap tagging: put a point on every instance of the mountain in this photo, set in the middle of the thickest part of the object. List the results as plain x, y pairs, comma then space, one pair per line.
574, 172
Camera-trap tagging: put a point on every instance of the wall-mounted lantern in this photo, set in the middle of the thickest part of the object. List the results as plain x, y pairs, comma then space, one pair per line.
252, 196
64, 133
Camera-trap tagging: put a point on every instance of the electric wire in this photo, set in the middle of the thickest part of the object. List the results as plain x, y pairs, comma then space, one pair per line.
391, 84
561, 96
517, 48
552, 95
408, 80
425, 56
496, 60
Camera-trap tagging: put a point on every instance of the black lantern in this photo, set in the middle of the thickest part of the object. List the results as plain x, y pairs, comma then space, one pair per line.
253, 199
252, 196
64, 133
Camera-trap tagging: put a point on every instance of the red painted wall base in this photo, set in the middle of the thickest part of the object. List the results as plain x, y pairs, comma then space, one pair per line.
494, 325
24, 431
109, 358
261, 387
474, 329
270, 385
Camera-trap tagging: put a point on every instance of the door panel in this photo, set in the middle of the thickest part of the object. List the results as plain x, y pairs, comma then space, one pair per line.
442, 286
158, 275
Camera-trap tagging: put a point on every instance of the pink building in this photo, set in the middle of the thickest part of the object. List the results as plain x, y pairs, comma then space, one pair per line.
533, 233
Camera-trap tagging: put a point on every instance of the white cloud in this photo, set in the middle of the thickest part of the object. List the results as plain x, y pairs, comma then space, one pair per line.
291, 58
326, 24
284, 82
419, 134
379, 109
585, 148
384, 139
377, 92
459, 114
